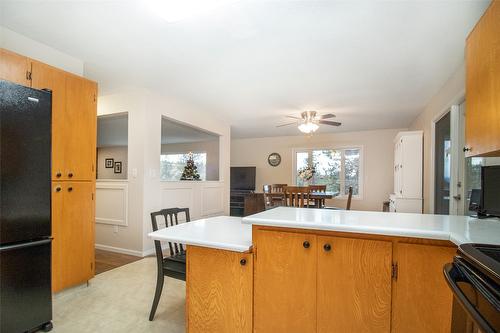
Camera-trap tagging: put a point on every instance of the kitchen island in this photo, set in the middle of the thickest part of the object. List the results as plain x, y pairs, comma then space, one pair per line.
316, 270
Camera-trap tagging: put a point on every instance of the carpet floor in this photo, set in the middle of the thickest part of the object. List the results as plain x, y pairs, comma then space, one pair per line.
119, 300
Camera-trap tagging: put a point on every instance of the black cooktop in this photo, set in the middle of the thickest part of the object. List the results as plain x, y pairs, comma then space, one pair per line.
484, 257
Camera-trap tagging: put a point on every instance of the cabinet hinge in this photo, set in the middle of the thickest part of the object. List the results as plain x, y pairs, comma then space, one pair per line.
92, 196
255, 253
95, 98
28, 75
394, 271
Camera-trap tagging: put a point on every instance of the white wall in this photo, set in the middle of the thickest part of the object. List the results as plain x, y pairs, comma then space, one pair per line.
18, 43
453, 92
158, 194
118, 154
146, 193
378, 160
210, 147
127, 238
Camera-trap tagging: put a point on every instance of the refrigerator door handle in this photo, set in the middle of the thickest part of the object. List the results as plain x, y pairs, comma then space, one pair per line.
24, 245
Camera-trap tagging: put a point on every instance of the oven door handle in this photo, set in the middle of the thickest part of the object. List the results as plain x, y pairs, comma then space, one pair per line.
452, 277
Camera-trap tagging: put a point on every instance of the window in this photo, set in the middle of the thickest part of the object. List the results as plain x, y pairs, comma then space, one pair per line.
172, 165
336, 168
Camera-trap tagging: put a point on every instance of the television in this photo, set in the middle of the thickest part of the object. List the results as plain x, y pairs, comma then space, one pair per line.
243, 178
490, 190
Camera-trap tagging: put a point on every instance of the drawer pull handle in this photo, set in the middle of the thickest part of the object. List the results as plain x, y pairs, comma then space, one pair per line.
306, 244
327, 247
243, 262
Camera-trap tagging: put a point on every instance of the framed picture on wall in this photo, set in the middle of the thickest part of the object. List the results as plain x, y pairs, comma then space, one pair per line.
109, 163
118, 167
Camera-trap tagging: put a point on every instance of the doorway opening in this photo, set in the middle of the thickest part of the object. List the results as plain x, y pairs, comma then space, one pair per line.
448, 161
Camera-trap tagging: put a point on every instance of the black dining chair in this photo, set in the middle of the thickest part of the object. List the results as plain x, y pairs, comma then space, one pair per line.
174, 265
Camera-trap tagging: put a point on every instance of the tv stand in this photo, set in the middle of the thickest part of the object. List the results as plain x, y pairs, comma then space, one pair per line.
245, 202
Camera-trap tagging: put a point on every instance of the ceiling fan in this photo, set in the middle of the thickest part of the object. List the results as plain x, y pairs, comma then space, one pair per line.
309, 121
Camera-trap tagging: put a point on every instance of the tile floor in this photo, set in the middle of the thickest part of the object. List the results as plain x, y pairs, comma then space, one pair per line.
119, 300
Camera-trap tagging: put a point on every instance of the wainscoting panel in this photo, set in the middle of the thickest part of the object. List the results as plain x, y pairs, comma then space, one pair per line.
112, 203
203, 199
177, 197
212, 200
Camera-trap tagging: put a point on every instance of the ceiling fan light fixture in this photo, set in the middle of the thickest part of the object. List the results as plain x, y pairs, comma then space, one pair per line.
308, 127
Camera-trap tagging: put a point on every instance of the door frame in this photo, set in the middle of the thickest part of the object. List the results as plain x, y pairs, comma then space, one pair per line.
454, 105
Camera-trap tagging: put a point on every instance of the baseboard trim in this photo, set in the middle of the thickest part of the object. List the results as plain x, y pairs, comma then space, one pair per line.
120, 250
149, 252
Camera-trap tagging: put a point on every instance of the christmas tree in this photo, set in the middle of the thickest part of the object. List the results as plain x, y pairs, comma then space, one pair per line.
190, 170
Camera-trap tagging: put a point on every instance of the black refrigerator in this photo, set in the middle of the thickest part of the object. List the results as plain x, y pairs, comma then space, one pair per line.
25, 225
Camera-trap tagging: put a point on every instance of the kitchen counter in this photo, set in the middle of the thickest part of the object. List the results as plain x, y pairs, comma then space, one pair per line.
457, 229
222, 232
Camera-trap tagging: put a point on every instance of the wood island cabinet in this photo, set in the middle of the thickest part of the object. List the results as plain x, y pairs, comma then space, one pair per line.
219, 289
422, 300
74, 126
354, 285
285, 282
322, 281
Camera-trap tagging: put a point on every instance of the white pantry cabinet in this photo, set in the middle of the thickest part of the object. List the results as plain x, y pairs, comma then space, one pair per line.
408, 164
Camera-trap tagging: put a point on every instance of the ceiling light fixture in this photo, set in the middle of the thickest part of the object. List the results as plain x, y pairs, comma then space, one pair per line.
178, 10
308, 127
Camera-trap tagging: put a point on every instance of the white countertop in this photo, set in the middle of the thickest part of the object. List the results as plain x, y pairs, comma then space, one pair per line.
458, 229
222, 232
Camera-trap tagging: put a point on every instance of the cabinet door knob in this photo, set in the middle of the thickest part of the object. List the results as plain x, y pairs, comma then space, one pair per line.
327, 247
58, 174
58, 189
70, 189
243, 262
70, 174
306, 244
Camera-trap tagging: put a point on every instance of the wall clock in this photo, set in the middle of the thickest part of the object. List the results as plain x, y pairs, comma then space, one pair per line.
274, 159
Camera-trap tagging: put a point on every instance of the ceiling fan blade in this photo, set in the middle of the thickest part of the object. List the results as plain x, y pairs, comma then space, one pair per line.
326, 116
282, 125
294, 117
331, 123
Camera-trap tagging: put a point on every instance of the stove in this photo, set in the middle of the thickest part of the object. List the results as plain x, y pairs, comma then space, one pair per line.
474, 278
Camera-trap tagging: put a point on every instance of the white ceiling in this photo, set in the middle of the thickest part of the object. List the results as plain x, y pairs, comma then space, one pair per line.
375, 64
174, 132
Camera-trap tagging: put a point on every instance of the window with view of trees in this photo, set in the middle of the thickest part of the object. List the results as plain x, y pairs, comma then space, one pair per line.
336, 168
172, 165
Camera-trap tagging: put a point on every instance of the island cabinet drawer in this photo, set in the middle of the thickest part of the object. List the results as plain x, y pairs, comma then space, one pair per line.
219, 289
312, 283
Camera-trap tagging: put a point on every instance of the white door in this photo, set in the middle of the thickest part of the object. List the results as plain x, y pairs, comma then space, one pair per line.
457, 193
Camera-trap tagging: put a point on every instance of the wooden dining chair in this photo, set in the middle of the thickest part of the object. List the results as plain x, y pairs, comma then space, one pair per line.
348, 205
174, 265
317, 188
349, 197
273, 196
278, 188
296, 196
